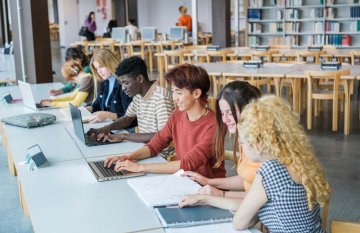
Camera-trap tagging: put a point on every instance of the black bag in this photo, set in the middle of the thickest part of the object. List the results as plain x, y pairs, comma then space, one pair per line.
83, 31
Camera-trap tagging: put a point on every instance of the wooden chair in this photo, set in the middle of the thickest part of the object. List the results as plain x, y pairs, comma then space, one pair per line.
173, 58
317, 93
137, 48
301, 55
354, 55
261, 55
342, 227
220, 55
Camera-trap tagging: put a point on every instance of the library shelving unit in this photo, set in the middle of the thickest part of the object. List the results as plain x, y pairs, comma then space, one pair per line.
301, 23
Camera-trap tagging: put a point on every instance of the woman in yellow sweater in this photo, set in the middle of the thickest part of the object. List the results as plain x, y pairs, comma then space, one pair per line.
229, 104
72, 71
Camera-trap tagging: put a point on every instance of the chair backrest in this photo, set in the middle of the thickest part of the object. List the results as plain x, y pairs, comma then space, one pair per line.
342, 226
261, 55
354, 55
331, 76
221, 54
172, 58
137, 48
304, 54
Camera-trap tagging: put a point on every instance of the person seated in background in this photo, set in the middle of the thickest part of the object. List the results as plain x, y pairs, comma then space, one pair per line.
133, 29
73, 72
151, 105
290, 185
191, 127
185, 20
112, 24
76, 54
111, 102
229, 104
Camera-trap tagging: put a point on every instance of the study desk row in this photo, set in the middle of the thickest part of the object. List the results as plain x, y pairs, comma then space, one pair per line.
65, 196
221, 73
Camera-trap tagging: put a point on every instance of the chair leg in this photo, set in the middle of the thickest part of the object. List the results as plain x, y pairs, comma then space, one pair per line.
342, 103
316, 108
309, 112
335, 115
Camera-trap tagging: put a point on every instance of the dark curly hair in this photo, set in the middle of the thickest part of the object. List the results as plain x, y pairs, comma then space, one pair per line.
132, 66
74, 53
190, 77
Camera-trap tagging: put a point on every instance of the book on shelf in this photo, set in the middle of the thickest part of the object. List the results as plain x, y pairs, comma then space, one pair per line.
254, 14
254, 28
255, 3
192, 216
169, 189
293, 2
292, 14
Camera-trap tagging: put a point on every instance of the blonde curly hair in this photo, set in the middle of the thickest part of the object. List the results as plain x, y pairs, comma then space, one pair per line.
269, 124
71, 69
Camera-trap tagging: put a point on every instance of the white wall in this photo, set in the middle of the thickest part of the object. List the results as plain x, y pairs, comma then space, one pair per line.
72, 15
51, 11
164, 14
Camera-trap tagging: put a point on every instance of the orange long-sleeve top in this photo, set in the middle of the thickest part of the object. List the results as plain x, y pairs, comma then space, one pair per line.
193, 142
186, 21
246, 169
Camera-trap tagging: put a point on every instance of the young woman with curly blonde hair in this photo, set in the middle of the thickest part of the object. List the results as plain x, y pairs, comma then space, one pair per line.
290, 185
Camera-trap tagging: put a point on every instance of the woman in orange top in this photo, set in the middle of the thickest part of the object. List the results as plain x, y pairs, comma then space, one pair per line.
185, 19
229, 104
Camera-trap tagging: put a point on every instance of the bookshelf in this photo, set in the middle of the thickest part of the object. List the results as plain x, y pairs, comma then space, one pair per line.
300, 23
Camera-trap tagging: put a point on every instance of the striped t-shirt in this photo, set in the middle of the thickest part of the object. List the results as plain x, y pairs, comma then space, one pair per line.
152, 110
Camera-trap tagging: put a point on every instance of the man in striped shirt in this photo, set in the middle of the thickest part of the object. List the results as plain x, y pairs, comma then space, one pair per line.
151, 105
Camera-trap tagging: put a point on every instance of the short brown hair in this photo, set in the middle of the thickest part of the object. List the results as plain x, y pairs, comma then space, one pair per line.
190, 77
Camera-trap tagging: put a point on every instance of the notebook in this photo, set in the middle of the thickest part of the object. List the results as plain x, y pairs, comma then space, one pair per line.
192, 216
28, 97
213, 228
85, 114
169, 189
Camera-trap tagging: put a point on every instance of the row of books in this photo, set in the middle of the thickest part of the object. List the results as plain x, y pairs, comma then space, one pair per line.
318, 27
355, 26
294, 2
292, 14
292, 27
275, 27
292, 40
332, 26
355, 11
253, 41
338, 40
254, 28
254, 13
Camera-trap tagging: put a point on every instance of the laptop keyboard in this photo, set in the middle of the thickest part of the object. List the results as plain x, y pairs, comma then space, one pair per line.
107, 172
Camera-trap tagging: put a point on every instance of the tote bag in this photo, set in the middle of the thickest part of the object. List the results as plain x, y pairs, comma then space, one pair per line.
83, 31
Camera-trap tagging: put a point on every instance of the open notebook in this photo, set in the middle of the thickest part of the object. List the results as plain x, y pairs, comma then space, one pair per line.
192, 216
169, 189
85, 114
212, 228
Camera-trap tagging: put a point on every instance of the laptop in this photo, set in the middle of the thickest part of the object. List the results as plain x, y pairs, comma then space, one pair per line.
79, 129
28, 97
102, 173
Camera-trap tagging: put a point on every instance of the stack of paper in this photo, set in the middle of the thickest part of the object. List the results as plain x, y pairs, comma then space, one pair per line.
212, 228
163, 190
85, 114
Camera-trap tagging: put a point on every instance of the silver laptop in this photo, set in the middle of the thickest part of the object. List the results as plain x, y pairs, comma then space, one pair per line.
76, 118
102, 173
28, 97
